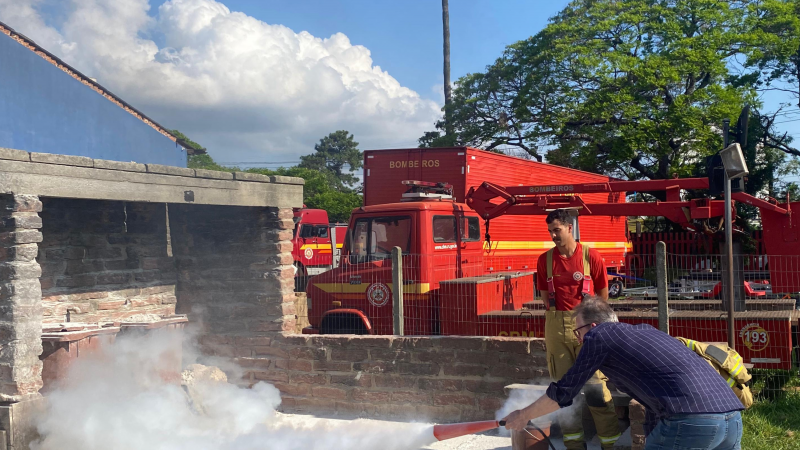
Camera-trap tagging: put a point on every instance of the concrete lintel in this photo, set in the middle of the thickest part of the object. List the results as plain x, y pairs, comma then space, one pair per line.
50, 180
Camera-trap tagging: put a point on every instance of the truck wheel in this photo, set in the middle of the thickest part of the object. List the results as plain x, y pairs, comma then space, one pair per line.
615, 289
342, 324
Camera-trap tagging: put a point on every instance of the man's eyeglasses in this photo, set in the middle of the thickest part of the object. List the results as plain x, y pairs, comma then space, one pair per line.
575, 331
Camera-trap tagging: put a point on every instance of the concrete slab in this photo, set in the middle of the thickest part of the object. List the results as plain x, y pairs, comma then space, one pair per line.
51, 180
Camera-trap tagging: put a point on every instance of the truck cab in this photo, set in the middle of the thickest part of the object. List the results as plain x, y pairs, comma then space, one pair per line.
312, 250
440, 240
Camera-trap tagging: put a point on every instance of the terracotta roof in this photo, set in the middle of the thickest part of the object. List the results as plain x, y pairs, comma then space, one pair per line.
74, 73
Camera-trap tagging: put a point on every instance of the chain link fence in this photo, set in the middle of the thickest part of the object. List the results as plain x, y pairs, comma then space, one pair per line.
468, 293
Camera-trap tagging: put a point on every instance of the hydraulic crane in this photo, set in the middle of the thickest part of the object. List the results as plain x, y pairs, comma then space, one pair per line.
490, 201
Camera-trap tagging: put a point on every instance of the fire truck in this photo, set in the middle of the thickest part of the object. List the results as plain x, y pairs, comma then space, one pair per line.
312, 247
470, 246
414, 199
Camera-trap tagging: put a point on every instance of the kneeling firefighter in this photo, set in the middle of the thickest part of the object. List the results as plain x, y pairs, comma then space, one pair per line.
565, 274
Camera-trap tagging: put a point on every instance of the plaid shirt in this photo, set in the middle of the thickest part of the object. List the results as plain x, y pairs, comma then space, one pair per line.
652, 367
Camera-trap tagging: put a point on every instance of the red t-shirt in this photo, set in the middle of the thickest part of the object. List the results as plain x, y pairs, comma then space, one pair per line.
568, 276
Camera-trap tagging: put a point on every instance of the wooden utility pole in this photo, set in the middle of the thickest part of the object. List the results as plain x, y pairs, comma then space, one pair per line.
448, 126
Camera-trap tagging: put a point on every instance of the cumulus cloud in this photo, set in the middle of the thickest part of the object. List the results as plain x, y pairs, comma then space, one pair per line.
246, 89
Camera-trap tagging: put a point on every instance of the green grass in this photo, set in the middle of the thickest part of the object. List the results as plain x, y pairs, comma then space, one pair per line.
773, 424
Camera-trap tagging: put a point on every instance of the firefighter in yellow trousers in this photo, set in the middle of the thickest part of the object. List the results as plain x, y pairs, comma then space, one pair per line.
565, 274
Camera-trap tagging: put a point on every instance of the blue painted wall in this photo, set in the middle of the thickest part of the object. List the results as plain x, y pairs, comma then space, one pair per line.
42, 109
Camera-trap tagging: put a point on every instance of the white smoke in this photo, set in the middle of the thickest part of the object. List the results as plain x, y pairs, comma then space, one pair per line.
246, 89
520, 398
126, 398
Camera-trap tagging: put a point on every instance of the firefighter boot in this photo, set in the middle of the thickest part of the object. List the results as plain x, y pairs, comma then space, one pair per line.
601, 405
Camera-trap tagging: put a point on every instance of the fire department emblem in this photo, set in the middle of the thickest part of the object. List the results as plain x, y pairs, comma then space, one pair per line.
309, 253
378, 294
577, 276
754, 337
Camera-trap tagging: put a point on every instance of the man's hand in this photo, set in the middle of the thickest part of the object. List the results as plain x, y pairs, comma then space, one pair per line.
516, 420
519, 419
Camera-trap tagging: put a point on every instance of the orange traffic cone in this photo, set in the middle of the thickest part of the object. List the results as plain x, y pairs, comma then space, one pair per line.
453, 430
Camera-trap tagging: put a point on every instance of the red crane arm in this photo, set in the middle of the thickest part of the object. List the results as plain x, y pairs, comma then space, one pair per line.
491, 201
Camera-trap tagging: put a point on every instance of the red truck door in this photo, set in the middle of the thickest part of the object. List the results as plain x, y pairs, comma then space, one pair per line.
457, 245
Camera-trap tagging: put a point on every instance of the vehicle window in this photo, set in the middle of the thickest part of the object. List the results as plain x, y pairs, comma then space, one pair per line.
444, 228
470, 229
374, 238
359, 245
322, 231
307, 231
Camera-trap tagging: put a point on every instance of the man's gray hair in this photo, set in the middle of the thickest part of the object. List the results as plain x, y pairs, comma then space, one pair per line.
594, 309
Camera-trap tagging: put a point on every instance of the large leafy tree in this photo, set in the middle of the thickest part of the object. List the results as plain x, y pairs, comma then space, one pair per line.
635, 89
336, 155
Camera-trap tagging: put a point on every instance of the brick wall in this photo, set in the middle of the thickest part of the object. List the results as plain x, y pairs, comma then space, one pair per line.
104, 260
235, 273
637, 415
20, 298
443, 379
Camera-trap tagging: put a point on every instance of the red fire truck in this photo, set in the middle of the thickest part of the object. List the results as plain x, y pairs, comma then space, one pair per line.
444, 240
312, 249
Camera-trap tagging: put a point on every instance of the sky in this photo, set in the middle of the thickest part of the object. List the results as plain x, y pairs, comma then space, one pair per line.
261, 81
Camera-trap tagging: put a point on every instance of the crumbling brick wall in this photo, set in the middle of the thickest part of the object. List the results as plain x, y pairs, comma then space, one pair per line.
104, 260
235, 274
444, 379
20, 298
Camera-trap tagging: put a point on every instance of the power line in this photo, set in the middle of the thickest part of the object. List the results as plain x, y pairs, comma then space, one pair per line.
259, 162
788, 121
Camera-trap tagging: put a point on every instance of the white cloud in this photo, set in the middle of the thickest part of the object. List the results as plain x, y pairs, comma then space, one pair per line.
246, 89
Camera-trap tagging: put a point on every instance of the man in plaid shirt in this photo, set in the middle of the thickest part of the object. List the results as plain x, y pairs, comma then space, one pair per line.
688, 403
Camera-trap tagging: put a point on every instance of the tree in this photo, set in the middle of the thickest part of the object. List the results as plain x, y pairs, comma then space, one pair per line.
779, 63
198, 159
332, 154
635, 89
339, 205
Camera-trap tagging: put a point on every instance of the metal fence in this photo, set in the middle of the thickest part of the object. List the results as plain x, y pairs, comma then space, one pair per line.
463, 293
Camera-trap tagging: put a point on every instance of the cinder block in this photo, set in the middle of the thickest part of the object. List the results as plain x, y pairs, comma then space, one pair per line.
13, 154
19, 420
247, 176
214, 174
119, 165
286, 180
170, 170
63, 160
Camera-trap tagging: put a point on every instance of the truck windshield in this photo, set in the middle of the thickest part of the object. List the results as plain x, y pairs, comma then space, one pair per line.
374, 238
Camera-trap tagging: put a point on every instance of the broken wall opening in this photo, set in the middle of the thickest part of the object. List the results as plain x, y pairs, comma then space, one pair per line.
104, 261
